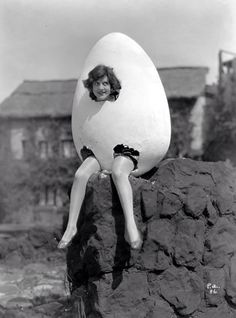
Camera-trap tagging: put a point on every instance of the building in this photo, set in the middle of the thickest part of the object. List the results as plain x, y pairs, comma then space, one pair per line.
185, 90
227, 78
36, 143
36, 135
222, 108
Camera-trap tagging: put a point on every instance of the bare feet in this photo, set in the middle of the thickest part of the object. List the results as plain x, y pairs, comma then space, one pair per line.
136, 245
134, 238
67, 238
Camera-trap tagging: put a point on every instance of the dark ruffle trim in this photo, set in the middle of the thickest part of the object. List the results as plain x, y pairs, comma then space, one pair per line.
119, 150
124, 150
86, 152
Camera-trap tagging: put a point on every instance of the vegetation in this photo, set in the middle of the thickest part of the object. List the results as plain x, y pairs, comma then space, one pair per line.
181, 129
22, 180
220, 131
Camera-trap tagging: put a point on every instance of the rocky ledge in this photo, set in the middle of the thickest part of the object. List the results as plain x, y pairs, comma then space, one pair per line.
186, 267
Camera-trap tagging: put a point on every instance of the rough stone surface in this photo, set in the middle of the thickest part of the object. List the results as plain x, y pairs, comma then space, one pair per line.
186, 267
32, 276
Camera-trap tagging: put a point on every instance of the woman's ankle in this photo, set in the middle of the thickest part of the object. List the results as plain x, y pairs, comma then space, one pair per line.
71, 229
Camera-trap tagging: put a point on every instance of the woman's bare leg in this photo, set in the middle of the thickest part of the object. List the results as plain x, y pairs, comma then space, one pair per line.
82, 175
121, 169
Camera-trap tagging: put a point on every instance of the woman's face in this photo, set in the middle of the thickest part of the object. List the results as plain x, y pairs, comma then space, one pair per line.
102, 88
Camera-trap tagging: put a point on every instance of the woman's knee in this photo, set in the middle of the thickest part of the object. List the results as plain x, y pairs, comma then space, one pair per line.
122, 167
86, 169
117, 173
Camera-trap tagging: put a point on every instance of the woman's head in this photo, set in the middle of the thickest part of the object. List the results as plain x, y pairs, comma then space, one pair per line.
102, 84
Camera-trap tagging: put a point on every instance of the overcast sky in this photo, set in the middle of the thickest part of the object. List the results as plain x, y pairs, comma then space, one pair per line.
50, 39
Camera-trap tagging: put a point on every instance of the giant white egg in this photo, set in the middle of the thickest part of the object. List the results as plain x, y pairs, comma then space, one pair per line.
138, 118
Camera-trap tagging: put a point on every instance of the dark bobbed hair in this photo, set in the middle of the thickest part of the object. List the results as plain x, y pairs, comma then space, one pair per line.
98, 72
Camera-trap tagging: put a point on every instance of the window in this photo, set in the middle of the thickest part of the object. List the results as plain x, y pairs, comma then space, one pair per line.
50, 197
67, 148
19, 144
25, 147
43, 149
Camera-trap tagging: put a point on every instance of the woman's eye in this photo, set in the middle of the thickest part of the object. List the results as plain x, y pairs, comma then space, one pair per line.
105, 83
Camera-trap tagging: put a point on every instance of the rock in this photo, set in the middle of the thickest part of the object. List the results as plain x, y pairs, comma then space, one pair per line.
39, 237
215, 285
196, 201
11, 313
15, 258
231, 280
50, 308
186, 212
19, 302
162, 232
189, 242
169, 202
149, 200
161, 309
223, 311
182, 289
221, 243
122, 294
35, 245
211, 213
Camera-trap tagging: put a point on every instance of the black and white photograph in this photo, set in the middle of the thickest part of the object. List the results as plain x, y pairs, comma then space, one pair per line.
117, 159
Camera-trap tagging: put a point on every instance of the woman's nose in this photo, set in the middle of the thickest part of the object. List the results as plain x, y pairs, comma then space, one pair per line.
101, 86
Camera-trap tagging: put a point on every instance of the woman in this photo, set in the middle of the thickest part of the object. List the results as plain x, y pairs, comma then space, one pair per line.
103, 85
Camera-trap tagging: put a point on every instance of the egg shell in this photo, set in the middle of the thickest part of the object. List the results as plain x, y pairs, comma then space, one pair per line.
138, 118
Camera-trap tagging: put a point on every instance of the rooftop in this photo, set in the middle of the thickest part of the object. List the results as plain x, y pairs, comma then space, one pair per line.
54, 98
183, 82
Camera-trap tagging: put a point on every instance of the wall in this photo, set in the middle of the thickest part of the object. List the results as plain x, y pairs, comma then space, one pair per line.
181, 136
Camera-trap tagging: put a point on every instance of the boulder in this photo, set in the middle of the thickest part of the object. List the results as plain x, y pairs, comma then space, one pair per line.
186, 211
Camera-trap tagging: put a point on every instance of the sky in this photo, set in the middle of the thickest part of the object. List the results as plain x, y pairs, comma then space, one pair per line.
50, 39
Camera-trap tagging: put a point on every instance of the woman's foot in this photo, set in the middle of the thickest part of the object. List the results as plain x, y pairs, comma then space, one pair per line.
67, 238
134, 238
136, 245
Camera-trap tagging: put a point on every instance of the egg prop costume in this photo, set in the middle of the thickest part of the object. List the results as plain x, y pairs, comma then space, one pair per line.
138, 118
